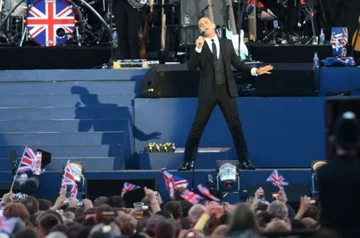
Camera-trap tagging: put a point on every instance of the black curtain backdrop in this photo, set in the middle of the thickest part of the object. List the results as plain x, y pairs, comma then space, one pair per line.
339, 13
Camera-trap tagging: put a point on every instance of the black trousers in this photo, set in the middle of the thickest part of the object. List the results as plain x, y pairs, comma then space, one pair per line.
128, 22
204, 109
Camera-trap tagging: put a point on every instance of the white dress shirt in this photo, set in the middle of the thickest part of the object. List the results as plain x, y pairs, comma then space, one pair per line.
217, 44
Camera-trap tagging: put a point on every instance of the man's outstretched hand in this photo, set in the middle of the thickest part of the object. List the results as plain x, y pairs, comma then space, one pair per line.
264, 70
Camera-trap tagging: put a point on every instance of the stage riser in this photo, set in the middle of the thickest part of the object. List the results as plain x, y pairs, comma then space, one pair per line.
280, 132
71, 75
61, 87
50, 182
65, 126
204, 160
69, 151
38, 101
65, 139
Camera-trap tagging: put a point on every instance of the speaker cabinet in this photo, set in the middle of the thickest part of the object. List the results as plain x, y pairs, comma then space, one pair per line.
287, 80
167, 81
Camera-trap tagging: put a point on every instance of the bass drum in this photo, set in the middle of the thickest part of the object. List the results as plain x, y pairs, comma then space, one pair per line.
50, 22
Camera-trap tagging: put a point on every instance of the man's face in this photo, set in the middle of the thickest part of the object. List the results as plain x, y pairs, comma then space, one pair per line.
206, 25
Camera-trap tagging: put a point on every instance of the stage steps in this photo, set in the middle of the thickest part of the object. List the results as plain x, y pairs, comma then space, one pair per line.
75, 115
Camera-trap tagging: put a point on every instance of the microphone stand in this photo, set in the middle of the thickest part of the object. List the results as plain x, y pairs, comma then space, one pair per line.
192, 166
110, 13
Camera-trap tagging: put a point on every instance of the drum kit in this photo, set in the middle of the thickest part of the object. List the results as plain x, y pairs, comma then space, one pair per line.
52, 23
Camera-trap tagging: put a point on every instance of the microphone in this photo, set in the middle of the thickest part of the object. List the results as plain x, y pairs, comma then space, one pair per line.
199, 45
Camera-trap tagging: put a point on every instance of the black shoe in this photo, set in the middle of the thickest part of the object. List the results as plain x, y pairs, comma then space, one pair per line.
186, 166
247, 166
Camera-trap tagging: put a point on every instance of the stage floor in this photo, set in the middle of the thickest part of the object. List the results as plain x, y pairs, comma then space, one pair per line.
65, 57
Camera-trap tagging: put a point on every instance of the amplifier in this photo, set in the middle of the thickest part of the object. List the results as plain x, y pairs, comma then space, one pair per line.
190, 10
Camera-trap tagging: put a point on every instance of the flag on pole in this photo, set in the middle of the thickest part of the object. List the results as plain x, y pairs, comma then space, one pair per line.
277, 179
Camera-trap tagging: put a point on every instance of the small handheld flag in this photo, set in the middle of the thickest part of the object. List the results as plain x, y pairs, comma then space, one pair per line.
277, 179
128, 187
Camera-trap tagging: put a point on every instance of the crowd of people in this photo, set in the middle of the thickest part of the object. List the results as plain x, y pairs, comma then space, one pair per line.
108, 217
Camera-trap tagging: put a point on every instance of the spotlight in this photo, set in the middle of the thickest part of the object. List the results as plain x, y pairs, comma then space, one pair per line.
77, 170
227, 175
315, 165
31, 185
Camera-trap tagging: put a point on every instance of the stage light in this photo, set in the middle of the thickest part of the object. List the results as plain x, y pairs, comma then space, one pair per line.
227, 175
315, 165
77, 169
31, 185
29, 181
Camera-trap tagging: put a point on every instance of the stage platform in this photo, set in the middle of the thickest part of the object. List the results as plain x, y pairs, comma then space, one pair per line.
95, 117
65, 57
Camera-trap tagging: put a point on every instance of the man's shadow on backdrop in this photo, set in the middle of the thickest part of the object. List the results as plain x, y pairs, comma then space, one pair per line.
107, 117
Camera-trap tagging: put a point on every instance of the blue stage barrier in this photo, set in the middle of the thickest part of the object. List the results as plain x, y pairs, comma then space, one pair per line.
339, 79
281, 132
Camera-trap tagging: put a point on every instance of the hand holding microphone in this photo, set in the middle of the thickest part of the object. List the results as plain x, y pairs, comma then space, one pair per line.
200, 40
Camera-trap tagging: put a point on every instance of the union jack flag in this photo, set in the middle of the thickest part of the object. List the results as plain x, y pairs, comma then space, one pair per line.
128, 187
46, 19
27, 162
339, 40
173, 182
191, 197
69, 180
277, 179
7, 224
205, 192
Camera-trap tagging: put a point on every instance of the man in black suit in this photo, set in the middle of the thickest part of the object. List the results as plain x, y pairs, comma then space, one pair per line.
214, 56
339, 180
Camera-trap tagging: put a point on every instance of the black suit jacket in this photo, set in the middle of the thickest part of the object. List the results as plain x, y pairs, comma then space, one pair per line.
339, 195
204, 61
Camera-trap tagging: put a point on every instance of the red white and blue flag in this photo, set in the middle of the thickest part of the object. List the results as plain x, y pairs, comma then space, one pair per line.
28, 160
191, 197
206, 192
128, 187
173, 182
277, 179
50, 23
69, 181
7, 225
